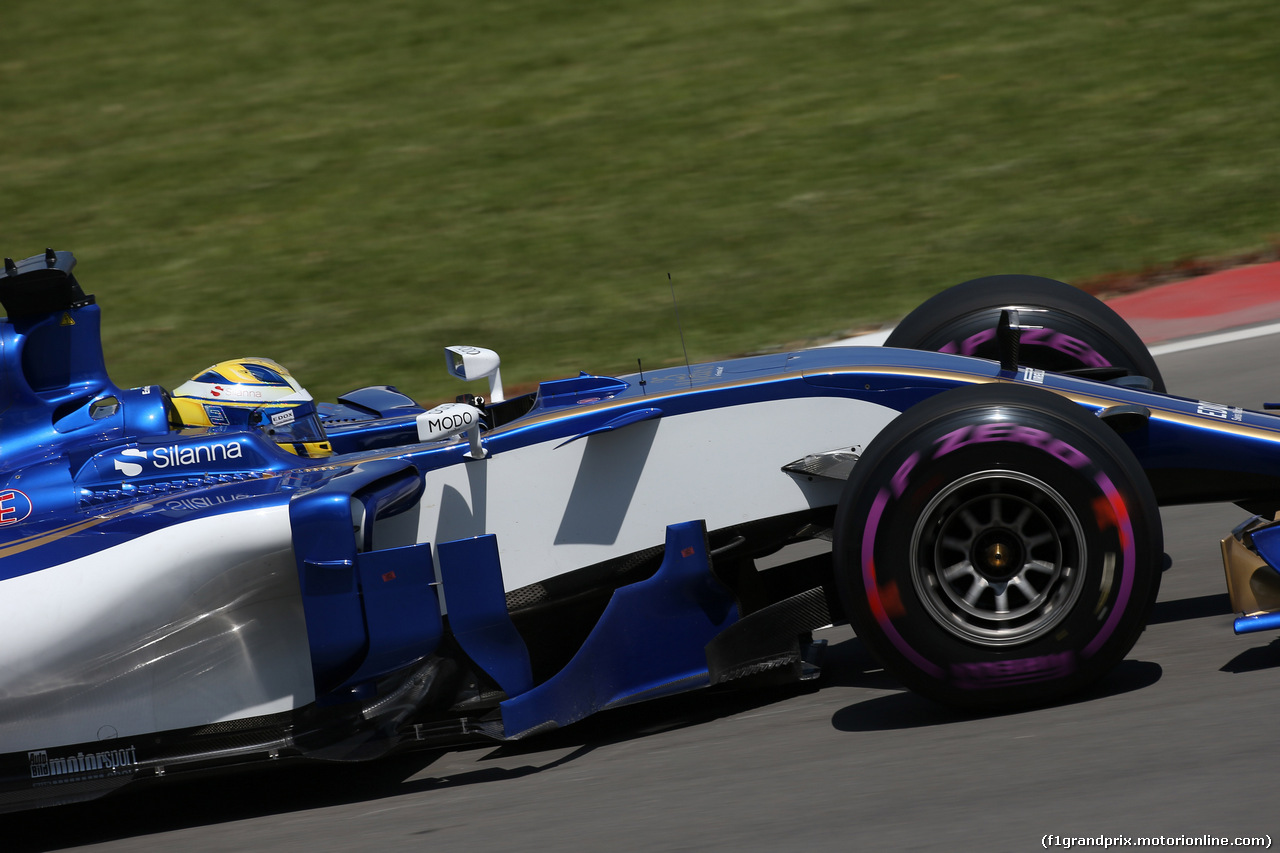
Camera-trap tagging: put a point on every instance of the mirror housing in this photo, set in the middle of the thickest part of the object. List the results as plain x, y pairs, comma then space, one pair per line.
470, 363
450, 419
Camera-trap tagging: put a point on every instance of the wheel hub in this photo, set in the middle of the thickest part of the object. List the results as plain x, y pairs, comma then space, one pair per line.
997, 554
996, 558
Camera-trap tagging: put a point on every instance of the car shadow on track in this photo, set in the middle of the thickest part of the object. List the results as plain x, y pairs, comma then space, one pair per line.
1254, 659
149, 809
1182, 609
907, 710
178, 804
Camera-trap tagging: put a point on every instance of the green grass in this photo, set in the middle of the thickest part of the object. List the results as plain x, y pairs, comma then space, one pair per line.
349, 187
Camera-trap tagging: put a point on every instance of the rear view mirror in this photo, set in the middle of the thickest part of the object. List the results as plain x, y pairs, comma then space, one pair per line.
469, 363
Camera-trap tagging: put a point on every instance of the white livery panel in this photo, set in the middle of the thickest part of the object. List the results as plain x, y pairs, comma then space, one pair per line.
194, 624
556, 507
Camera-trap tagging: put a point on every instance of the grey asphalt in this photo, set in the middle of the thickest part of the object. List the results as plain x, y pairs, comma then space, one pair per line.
1178, 741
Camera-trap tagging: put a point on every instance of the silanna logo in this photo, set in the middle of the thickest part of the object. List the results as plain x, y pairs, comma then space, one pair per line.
82, 765
177, 455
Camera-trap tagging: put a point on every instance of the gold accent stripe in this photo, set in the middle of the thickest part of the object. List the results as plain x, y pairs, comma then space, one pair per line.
45, 538
39, 539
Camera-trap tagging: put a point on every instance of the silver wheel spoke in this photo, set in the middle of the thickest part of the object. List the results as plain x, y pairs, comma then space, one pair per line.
1024, 588
1036, 541
979, 584
963, 541
997, 514
1002, 597
1020, 522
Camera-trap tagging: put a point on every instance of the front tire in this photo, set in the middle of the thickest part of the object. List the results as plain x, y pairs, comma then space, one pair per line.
1077, 331
998, 546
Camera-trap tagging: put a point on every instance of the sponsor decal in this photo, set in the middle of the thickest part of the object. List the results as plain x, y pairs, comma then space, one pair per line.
14, 506
1033, 375
57, 769
1063, 343
217, 415
164, 457
1036, 438
282, 418
1217, 410
446, 420
130, 469
236, 393
450, 421
179, 455
1000, 673
193, 504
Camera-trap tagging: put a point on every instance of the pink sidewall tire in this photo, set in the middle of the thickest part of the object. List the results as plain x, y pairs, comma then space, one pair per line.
1076, 331
998, 546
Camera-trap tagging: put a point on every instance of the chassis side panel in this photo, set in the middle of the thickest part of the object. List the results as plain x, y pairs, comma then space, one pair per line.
190, 625
558, 507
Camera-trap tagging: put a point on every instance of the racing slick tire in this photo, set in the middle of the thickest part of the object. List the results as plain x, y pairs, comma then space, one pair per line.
998, 546
1079, 331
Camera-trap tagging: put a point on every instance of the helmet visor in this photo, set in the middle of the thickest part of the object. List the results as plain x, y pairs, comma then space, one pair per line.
298, 422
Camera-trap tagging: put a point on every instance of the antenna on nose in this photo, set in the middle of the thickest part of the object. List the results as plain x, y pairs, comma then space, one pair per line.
688, 370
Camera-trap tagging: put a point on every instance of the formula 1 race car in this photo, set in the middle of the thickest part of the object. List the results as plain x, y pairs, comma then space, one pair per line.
228, 573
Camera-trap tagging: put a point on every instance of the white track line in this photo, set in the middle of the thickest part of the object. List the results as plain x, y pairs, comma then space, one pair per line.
1214, 340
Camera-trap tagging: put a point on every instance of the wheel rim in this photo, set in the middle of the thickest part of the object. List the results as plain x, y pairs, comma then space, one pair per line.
997, 558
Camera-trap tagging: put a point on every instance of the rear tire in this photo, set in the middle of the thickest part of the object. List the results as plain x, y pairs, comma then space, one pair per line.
998, 546
1079, 331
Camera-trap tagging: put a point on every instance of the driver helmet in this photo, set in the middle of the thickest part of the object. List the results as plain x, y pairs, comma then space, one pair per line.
254, 392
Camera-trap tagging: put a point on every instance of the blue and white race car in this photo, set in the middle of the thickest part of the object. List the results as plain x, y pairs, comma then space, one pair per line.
228, 573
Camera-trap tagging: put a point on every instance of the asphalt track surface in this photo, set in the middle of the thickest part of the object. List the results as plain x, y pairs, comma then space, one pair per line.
1178, 741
